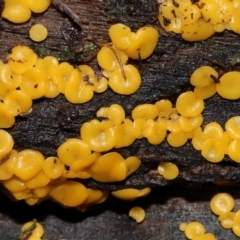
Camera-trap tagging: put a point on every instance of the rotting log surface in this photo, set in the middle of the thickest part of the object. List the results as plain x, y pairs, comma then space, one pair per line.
164, 75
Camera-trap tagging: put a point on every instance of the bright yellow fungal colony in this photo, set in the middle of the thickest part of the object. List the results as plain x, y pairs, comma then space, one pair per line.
28, 176
19, 11
222, 205
112, 58
195, 231
199, 21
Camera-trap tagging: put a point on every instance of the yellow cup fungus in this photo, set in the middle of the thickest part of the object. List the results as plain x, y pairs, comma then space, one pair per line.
197, 31
21, 58
77, 90
109, 56
137, 213
146, 111
119, 35
33, 83
124, 134
221, 203
29, 163
142, 43
182, 226
19, 11
6, 144
205, 92
139, 45
69, 193
100, 136
16, 11
14, 184
177, 139
199, 21
226, 219
132, 163
168, 170
125, 81
233, 150
155, 132
233, 127
203, 76
184, 17
38, 32
109, 167
236, 223
229, 85
72, 150
52, 167
212, 150
188, 105
194, 229
115, 113
62, 74
130, 194
17, 102
38, 6
205, 236
82, 164
39, 180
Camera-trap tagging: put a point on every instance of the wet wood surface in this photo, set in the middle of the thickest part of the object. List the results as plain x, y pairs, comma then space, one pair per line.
164, 75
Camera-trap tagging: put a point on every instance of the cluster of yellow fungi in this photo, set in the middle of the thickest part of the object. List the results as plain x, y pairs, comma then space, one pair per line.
195, 231
28, 176
19, 11
199, 20
222, 205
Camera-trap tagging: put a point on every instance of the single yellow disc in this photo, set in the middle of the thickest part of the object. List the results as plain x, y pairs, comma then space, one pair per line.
38, 32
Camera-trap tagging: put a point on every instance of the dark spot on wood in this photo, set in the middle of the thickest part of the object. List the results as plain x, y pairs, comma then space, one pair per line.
166, 21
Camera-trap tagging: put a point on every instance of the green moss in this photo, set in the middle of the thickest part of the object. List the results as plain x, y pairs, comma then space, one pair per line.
68, 55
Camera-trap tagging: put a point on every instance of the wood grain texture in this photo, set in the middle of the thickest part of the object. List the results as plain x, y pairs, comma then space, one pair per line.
164, 75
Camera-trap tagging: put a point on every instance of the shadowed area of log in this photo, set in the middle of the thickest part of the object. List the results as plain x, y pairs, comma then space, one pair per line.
165, 209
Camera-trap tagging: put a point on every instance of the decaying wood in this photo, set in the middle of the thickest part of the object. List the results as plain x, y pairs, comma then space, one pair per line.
164, 75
